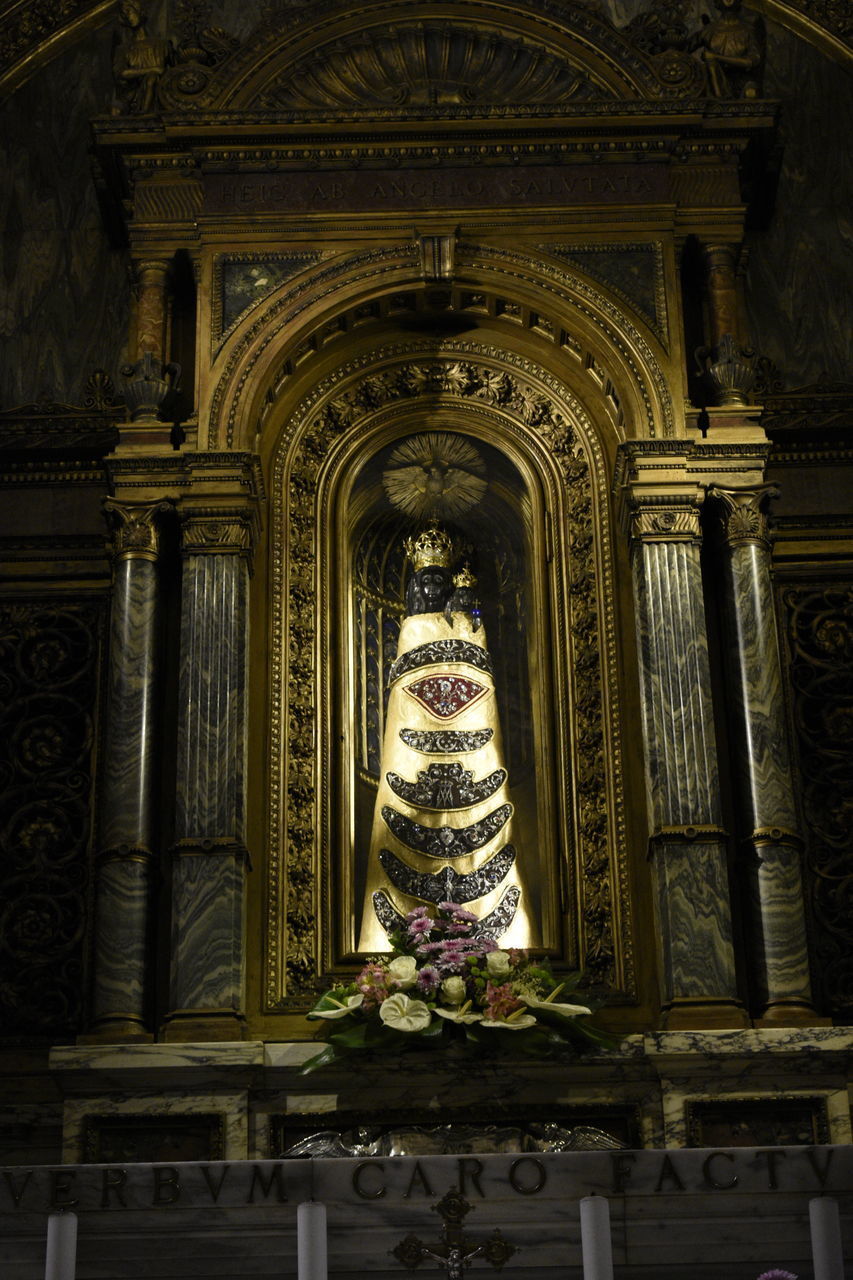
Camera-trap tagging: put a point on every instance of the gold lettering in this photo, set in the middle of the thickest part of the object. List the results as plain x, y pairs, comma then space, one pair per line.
821, 1173
621, 1170
113, 1180
379, 192
772, 1156
60, 1186
356, 1180
468, 1165
529, 1189
709, 1177
276, 1176
418, 1175
16, 1190
214, 1188
167, 1188
667, 1171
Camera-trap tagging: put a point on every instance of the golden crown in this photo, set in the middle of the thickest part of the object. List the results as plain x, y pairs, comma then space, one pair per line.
464, 578
431, 547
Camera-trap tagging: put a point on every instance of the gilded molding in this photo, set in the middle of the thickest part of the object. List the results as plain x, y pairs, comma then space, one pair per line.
470, 379
743, 518
134, 528
663, 522
212, 531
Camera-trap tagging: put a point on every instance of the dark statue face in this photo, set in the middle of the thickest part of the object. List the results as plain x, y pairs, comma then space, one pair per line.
429, 590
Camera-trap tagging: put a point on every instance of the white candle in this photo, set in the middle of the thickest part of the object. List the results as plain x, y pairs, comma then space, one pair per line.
311, 1240
595, 1239
61, 1260
826, 1239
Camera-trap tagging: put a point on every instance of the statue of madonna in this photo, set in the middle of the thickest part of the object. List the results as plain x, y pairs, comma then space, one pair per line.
443, 821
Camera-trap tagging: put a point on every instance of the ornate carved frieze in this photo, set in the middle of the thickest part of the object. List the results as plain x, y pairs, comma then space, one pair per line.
475, 380
48, 693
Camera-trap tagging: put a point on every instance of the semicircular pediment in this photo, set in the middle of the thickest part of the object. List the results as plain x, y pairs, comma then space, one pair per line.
334, 56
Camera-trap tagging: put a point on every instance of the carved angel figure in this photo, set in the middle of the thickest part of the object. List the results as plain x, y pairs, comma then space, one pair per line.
732, 48
141, 64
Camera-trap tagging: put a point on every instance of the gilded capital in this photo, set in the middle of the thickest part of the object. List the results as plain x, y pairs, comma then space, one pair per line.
743, 516
135, 529
215, 532
654, 523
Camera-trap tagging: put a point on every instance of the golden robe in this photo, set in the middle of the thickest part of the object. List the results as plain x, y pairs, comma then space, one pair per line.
443, 822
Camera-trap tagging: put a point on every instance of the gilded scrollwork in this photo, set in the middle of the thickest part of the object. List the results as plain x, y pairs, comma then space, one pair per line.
49, 655
340, 406
819, 625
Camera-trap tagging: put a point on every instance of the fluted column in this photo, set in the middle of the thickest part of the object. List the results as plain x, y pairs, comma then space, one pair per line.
127, 844
210, 859
771, 848
687, 846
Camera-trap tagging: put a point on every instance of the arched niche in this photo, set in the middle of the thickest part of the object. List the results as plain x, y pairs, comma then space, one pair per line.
552, 490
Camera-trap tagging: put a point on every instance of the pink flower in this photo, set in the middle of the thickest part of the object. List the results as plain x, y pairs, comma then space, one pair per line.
500, 1001
428, 980
372, 982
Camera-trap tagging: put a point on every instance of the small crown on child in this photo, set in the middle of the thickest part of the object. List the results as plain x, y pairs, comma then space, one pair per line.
464, 578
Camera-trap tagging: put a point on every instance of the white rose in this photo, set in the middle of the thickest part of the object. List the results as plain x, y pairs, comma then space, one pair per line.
497, 964
403, 1014
453, 990
404, 971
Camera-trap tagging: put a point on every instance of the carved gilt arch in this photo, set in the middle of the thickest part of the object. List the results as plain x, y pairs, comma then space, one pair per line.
596, 329
523, 409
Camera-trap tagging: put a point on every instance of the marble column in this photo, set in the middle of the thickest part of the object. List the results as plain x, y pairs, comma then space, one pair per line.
688, 846
150, 377
771, 847
210, 860
126, 860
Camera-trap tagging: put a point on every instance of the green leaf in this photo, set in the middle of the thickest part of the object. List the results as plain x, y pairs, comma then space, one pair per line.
324, 1058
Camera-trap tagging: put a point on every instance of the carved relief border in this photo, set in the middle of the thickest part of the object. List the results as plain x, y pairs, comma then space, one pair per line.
568, 289
466, 375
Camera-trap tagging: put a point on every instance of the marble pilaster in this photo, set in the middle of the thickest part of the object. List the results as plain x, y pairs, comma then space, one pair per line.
688, 846
127, 841
771, 846
209, 857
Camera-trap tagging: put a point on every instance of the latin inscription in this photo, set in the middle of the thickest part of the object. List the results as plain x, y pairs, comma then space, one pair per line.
450, 188
267, 1183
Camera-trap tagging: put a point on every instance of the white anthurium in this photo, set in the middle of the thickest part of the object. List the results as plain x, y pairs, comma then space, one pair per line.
402, 1014
515, 1022
462, 1013
498, 964
565, 1010
341, 1007
404, 971
453, 990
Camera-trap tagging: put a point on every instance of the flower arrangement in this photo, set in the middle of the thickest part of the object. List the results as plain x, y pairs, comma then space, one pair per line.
444, 985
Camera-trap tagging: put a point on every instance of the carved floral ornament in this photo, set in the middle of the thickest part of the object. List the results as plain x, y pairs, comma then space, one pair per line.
473, 385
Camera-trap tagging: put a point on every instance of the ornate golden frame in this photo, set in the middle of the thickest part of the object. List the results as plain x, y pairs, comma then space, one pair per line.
549, 435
